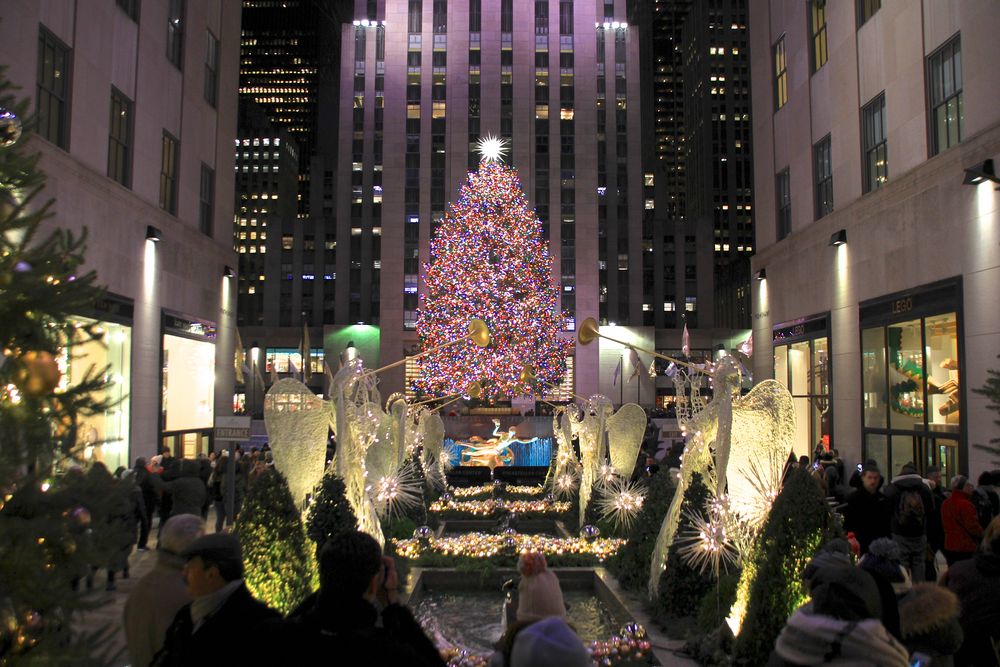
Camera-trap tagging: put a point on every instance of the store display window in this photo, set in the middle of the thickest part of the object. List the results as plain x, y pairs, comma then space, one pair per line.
802, 365
911, 380
188, 401
103, 436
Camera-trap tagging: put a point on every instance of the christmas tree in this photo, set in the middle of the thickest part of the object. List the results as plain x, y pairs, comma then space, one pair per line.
991, 390
331, 513
489, 261
280, 568
48, 534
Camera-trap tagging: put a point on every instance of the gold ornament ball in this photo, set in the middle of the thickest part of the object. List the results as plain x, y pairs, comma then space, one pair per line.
39, 374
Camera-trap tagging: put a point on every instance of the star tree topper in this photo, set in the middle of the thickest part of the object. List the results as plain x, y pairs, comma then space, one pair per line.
491, 148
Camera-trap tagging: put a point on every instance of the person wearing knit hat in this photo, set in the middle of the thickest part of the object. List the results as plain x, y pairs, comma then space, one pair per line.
549, 643
840, 626
929, 621
884, 559
539, 594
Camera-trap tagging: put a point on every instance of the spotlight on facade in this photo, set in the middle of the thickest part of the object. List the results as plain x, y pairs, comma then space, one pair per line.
978, 173
153, 234
838, 238
761, 274
228, 272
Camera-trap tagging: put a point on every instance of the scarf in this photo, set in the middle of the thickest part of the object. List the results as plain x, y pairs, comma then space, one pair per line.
206, 605
812, 639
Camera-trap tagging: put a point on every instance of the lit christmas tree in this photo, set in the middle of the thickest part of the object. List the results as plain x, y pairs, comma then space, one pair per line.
489, 261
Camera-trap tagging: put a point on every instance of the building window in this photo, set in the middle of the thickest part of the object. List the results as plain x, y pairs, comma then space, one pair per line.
168, 174
53, 88
803, 367
817, 25
130, 7
415, 16
945, 76
867, 9
206, 209
211, 69
824, 177
780, 74
875, 149
784, 191
175, 33
120, 139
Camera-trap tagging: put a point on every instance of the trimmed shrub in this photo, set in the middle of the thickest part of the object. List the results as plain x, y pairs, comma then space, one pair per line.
331, 513
799, 523
279, 563
681, 586
631, 564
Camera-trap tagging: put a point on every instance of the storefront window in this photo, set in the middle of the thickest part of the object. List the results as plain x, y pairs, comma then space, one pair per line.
289, 359
103, 436
188, 394
911, 380
803, 366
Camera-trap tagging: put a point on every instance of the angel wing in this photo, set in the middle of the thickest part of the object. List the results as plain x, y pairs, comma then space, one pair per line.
380, 458
625, 431
297, 421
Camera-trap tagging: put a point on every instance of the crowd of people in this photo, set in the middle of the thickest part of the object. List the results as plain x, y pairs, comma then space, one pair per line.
917, 581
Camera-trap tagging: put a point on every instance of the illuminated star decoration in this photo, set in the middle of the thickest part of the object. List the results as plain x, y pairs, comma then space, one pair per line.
491, 148
620, 502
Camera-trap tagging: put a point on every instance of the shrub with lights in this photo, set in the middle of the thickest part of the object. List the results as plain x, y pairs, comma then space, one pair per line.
631, 564
771, 584
490, 261
330, 513
682, 585
280, 566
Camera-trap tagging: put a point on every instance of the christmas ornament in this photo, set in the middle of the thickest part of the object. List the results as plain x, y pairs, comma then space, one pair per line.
590, 532
10, 128
423, 533
39, 373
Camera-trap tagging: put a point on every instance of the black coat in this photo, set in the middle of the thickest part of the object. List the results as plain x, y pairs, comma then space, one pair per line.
867, 516
976, 582
216, 641
347, 630
894, 492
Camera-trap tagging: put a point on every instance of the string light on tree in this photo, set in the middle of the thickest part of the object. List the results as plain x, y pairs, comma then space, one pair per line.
489, 261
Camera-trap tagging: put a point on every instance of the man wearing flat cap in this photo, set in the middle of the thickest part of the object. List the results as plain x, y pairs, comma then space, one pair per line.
222, 607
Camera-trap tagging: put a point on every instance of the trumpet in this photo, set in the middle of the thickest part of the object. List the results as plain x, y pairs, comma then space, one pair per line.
589, 332
478, 333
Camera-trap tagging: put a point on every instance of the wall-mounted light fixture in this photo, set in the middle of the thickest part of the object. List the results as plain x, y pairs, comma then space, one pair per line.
228, 272
153, 234
761, 274
838, 237
983, 171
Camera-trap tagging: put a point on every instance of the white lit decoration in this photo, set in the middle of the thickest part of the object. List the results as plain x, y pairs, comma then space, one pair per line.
297, 423
397, 492
620, 501
486, 545
492, 506
487, 490
491, 148
737, 443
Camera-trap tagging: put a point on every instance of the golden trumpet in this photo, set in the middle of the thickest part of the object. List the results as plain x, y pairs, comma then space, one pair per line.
527, 375
589, 332
478, 333
474, 390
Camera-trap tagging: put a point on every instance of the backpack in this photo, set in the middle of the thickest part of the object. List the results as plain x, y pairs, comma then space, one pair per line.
984, 508
910, 509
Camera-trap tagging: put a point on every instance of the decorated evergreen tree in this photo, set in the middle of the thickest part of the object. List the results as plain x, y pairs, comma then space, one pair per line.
45, 522
991, 390
771, 585
489, 261
631, 563
682, 586
331, 513
280, 568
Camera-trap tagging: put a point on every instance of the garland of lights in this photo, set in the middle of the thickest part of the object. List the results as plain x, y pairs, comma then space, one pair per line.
489, 261
486, 545
488, 507
488, 489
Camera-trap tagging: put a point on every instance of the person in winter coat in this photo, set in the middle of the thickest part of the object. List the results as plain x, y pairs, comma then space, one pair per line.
840, 626
549, 642
157, 597
187, 492
961, 525
976, 582
928, 619
343, 619
143, 480
867, 512
985, 499
206, 630
910, 503
127, 515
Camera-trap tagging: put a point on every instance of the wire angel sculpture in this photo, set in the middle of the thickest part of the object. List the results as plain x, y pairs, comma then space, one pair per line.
737, 443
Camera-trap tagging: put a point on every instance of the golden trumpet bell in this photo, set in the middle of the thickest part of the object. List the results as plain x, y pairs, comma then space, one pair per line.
527, 375
588, 331
474, 390
479, 333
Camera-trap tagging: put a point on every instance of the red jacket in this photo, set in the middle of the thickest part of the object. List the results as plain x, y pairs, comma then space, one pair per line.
962, 531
